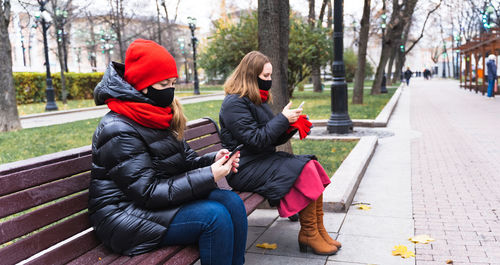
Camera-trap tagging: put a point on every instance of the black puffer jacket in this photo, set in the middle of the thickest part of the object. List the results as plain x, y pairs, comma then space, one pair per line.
261, 169
140, 176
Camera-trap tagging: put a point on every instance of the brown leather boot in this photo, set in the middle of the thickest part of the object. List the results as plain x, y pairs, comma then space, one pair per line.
309, 236
321, 227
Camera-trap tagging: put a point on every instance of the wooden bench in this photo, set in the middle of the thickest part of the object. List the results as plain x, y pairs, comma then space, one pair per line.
54, 188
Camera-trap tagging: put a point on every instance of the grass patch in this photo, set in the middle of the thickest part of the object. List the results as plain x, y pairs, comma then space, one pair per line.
33, 108
318, 105
330, 153
27, 143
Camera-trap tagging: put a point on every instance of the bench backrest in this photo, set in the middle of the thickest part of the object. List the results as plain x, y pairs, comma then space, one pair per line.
43, 201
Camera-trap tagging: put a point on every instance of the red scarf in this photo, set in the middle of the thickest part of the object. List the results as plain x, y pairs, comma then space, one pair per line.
143, 113
264, 95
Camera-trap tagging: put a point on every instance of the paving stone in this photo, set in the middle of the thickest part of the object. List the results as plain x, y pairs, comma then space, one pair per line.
370, 250
254, 233
375, 226
284, 233
333, 221
262, 217
263, 259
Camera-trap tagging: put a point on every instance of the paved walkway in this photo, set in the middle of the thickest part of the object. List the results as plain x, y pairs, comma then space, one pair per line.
437, 175
456, 174
58, 117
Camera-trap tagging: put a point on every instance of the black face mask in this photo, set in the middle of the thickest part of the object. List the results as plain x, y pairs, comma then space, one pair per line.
264, 84
162, 98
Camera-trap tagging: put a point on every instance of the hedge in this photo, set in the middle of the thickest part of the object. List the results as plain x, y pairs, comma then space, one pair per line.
30, 87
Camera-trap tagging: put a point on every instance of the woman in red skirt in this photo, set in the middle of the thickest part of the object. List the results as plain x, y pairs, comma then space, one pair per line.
293, 183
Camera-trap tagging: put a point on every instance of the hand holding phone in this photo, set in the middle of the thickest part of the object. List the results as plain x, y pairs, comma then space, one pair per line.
238, 148
301, 104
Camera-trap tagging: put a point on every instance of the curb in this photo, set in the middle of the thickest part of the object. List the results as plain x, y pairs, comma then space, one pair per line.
338, 196
380, 121
60, 112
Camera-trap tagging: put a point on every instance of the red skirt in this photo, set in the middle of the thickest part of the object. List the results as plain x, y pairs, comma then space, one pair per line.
309, 185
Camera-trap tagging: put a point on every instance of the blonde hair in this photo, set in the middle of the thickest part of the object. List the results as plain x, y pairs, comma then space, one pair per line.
179, 120
243, 81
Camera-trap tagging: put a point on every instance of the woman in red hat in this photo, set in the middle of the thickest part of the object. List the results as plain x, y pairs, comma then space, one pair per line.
148, 188
293, 183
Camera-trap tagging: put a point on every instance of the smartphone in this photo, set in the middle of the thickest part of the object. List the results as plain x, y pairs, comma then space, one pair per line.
238, 148
301, 104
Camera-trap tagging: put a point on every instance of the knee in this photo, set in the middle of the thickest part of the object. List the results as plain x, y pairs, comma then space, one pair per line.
231, 201
219, 216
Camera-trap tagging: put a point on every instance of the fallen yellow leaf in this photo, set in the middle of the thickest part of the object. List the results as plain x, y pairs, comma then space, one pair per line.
364, 207
408, 254
449, 261
267, 246
423, 239
401, 250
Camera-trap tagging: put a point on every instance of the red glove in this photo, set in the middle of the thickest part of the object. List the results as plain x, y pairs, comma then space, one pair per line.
303, 125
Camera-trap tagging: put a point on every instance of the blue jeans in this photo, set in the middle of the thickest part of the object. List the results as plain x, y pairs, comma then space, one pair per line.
218, 224
491, 85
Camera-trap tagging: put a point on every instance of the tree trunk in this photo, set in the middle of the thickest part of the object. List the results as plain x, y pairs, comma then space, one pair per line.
400, 18
316, 77
388, 75
400, 61
9, 119
60, 56
273, 36
359, 76
158, 24
315, 68
384, 57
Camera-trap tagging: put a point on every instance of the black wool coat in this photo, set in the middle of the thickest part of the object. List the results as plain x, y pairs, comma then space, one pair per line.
262, 169
141, 176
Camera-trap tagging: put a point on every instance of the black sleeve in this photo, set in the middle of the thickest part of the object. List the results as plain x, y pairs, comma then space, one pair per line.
195, 161
131, 169
243, 126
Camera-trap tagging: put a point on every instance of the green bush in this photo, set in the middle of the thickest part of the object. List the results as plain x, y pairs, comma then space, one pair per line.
351, 63
30, 87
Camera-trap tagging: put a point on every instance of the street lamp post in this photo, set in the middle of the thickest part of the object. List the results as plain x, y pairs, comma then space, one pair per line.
339, 121
49, 90
192, 26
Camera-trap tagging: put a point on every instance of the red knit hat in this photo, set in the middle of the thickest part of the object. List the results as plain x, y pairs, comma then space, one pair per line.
147, 63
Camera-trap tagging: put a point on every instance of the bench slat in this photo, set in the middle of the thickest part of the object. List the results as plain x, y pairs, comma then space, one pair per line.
21, 180
41, 217
99, 255
252, 202
244, 195
200, 131
188, 255
39, 161
23, 200
204, 142
210, 149
35, 243
161, 255
68, 251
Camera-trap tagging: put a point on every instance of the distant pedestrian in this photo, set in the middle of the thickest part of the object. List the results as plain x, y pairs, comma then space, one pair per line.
408, 73
492, 74
427, 74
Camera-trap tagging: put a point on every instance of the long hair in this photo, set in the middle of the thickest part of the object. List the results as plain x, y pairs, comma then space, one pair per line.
243, 81
179, 120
